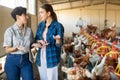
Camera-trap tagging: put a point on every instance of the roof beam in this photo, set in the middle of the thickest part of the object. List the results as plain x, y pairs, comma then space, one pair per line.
64, 1
43, 1
79, 6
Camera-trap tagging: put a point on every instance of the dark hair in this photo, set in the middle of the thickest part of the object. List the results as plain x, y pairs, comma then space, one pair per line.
18, 11
48, 8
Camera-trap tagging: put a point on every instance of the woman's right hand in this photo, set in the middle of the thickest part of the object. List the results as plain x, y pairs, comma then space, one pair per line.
42, 42
37, 45
10, 49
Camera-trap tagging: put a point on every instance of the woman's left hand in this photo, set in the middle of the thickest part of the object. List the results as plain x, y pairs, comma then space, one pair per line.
57, 38
21, 48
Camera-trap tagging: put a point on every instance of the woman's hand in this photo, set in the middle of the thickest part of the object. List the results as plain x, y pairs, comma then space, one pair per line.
10, 49
37, 45
42, 42
57, 38
21, 48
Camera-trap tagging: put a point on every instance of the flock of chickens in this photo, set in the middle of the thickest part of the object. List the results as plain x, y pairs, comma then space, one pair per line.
91, 56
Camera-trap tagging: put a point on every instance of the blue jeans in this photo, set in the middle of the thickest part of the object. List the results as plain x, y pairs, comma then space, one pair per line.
17, 66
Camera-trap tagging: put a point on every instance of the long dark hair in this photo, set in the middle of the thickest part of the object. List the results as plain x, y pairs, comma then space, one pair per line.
49, 8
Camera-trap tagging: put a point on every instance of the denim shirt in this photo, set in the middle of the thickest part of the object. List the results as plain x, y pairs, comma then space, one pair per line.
52, 50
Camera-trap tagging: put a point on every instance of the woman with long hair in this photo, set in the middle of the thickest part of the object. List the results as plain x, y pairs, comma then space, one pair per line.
50, 36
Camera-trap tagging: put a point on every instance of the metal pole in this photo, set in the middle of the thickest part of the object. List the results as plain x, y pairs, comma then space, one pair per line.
105, 21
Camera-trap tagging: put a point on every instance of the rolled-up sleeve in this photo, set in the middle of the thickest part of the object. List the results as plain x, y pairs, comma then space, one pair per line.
7, 38
60, 31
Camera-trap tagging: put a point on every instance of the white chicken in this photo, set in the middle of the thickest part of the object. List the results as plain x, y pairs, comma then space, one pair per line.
77, 47
75, 41
63, 56
97, 70
90, 75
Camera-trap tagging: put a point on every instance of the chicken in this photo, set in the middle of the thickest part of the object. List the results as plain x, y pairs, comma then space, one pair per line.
34, 52
90, 75
63, 56
98, 69
77, 47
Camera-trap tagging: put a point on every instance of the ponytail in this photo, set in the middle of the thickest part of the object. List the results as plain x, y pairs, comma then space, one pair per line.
54, 16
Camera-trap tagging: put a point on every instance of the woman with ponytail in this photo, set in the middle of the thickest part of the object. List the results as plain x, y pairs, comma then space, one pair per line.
49, 36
